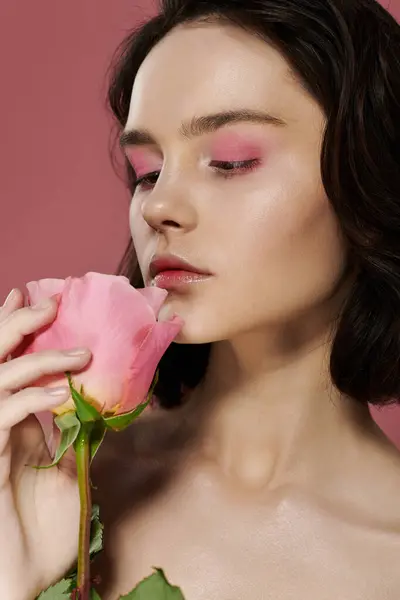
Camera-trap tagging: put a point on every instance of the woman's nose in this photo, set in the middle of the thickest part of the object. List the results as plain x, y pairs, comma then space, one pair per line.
165, 209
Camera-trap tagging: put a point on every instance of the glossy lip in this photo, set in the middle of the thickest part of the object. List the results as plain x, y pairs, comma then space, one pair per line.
177, 280
171, 262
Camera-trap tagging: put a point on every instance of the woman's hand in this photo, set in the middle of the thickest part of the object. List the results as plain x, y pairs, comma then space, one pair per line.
39, 509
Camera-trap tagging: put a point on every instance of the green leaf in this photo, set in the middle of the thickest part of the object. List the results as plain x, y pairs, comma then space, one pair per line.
69, 426
155, 587
87, 413
60, 591
96, 535
119, 422
94, 595
96, 437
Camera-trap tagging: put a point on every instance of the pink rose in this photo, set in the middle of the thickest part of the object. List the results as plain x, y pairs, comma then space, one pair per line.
118, 323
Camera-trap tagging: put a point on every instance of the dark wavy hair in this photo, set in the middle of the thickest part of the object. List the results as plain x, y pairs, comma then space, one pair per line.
347, 55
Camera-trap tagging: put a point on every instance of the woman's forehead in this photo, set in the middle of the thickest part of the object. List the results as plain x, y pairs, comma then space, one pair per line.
205, 70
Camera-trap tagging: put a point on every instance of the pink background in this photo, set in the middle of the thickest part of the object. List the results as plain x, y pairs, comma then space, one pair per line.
63, 210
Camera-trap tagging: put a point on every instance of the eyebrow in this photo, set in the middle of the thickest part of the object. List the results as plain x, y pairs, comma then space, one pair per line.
201, 125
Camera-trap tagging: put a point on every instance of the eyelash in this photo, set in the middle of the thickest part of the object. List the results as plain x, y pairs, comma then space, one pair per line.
224, 169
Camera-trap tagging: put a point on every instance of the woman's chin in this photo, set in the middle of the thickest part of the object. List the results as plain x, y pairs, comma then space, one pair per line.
186, 336
196, 333
200, 326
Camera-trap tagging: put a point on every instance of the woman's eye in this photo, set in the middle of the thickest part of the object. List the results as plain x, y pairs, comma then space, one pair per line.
224, 168
231, 168
147, 181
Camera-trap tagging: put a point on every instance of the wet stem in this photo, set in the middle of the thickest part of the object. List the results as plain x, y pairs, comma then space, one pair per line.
82, 452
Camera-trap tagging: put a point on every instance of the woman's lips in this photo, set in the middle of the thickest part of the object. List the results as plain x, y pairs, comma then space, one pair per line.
177, 278
170, 271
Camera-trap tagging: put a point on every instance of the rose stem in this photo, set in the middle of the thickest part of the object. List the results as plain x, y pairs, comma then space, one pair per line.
82, 450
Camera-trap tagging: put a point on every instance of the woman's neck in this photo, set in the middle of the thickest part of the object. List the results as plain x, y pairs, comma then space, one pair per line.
270, 417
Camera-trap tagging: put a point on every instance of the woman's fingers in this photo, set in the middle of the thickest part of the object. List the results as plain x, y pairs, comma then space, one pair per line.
15, 409
19, 323
14, 300
26, 370
19, 396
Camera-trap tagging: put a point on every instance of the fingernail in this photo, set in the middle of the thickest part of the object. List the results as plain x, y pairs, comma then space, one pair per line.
10, 296
76, 352
58, 391
45, 303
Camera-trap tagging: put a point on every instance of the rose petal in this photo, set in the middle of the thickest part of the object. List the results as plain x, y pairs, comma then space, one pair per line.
118, 324
155, 297
146, 362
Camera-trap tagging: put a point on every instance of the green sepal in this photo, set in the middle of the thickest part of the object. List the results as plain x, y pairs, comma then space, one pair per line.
154, 587
86, 412
97, 436
69, 426
120, 422
60, 591
154, 382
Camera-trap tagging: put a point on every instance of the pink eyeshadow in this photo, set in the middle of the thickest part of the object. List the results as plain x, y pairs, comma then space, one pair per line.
142, 161
234, 147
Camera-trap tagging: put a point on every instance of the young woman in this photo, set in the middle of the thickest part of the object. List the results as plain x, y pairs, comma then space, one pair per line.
262, 139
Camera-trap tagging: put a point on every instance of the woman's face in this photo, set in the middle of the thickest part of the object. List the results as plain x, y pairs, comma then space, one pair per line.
241, 199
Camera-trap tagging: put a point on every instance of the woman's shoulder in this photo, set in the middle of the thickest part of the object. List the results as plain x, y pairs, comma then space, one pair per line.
368, 498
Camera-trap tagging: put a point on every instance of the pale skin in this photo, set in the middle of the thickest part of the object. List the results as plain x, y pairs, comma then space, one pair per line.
288, 490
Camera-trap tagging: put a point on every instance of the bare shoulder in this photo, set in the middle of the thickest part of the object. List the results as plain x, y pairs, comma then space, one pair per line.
366, 519
380, 479
371, 483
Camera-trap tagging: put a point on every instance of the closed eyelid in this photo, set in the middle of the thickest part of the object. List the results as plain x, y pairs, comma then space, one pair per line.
222, 142
222, 146
233, 147
226, 169
143, 162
